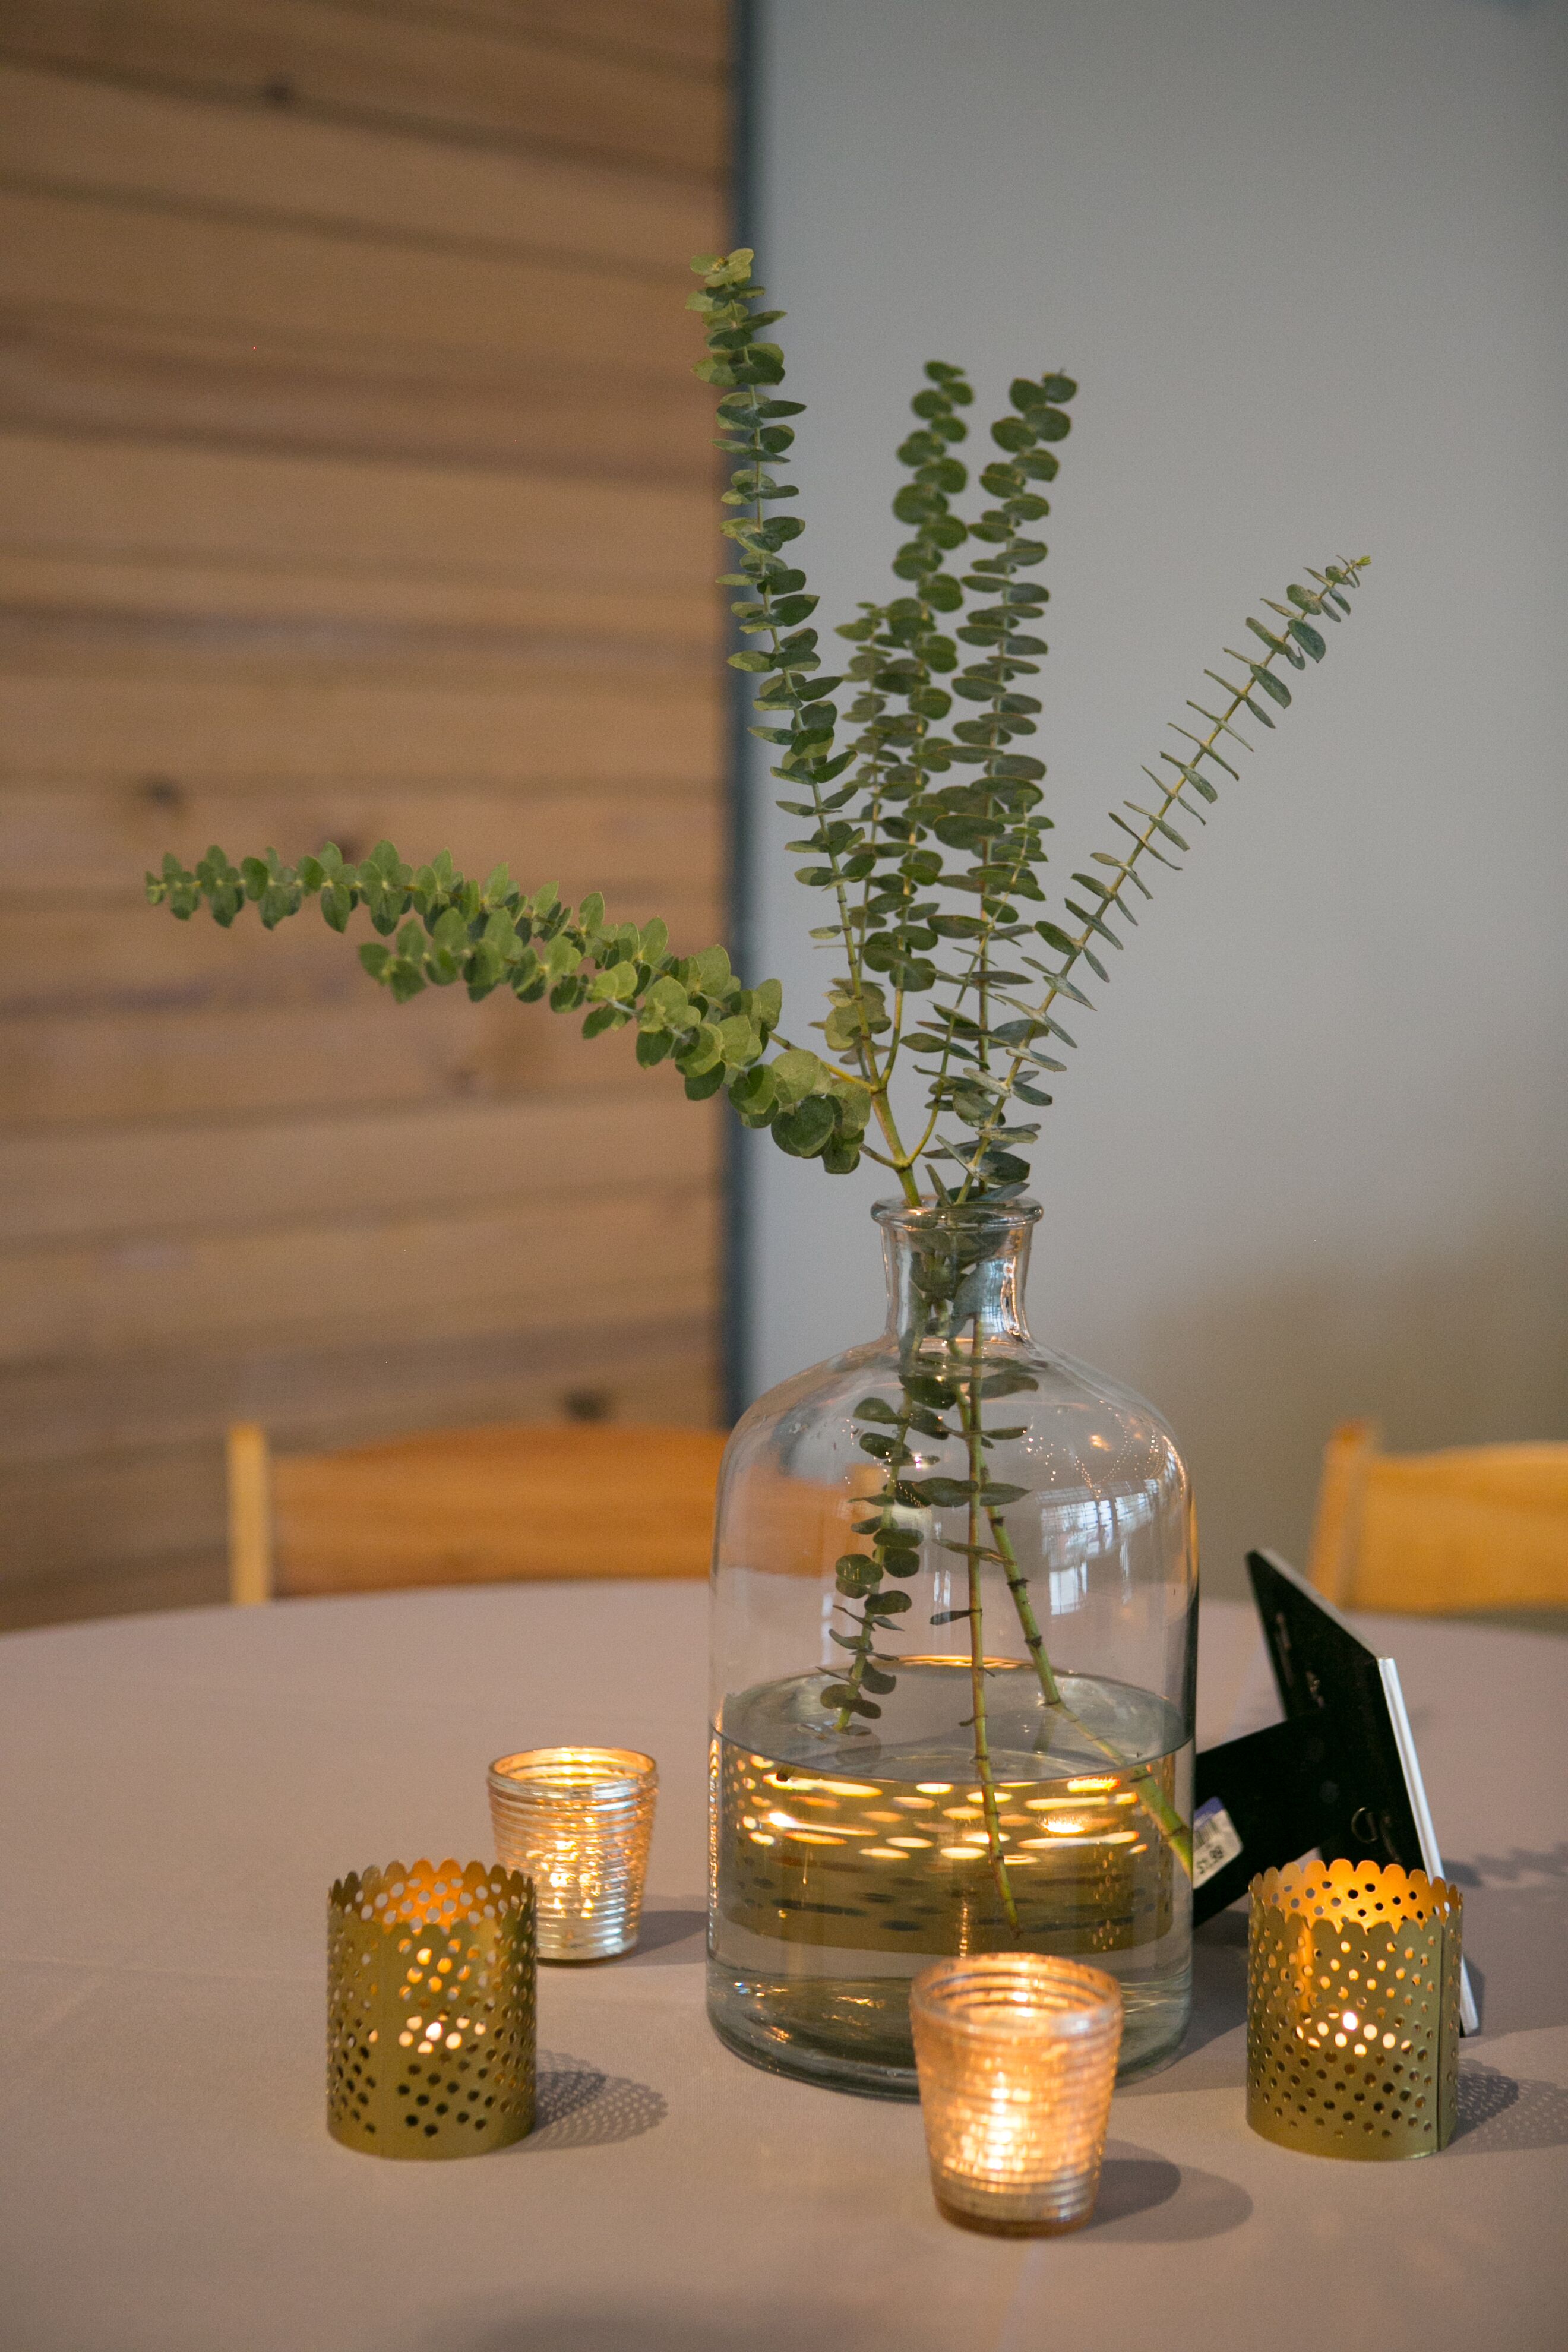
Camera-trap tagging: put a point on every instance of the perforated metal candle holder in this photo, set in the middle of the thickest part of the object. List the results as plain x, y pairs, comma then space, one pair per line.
1017, 2055
577, 1821
1352, 2009
430, 2009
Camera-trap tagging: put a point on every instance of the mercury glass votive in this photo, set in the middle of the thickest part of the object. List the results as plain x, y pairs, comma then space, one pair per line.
1352, 2009
577, 1821
1017, 2055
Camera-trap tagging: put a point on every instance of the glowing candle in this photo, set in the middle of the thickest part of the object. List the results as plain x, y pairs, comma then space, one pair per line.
1016, 2056
577, 1821
430, 1998
1352, 2009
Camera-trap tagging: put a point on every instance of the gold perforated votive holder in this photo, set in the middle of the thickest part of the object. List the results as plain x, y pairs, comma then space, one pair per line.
430, 2009
1017, 2055
577, 1821
1352, 2009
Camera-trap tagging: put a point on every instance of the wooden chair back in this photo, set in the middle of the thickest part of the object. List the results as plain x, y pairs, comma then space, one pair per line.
1475, 1527
470, 1507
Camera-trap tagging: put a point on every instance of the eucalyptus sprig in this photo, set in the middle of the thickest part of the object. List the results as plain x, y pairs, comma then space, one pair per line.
444, 927
930, 845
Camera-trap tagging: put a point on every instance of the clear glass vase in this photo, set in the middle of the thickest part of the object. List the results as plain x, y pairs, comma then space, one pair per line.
954, 1651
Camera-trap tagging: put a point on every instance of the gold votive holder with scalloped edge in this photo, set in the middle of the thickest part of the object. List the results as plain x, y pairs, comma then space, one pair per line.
578, 1821
1352, 2009
430, 2009
1017, 2055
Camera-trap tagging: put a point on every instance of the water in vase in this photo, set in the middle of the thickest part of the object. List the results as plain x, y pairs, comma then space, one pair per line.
839, 1870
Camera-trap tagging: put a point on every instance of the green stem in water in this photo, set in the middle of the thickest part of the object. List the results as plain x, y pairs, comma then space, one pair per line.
970, 1409
1176, 1832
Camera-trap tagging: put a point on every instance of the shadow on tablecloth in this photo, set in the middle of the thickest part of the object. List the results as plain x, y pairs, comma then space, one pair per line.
1499, 2114
579, 2105
1146, 2200
1516, 1931
667, 1937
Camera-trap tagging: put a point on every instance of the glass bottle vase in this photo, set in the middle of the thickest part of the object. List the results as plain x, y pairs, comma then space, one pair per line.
954, 1651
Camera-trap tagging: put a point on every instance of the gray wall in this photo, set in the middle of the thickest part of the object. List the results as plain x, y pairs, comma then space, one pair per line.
1307, 263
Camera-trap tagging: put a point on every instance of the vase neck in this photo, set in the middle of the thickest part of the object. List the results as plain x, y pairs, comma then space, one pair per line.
956, 1275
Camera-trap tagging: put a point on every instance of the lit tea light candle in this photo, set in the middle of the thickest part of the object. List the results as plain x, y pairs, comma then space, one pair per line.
1352, 2009
577, 1821
1017, 2055
430, 2000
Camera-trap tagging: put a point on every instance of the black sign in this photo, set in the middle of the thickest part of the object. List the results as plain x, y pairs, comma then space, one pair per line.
1340, 1774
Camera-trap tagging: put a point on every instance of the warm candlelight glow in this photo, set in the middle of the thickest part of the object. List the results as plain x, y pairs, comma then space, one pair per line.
577, 1821
430, 1985
1352, 2009
1017, 2057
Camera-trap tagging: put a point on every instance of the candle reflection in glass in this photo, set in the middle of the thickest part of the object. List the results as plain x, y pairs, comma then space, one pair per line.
577, 1821
1017, 2058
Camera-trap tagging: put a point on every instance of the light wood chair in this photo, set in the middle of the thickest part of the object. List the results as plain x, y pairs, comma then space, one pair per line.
470, 1507
1476, 1527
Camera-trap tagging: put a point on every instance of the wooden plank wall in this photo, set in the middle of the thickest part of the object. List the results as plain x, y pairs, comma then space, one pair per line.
353, 482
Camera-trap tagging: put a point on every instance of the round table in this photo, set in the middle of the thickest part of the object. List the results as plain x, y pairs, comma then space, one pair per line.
179, 1792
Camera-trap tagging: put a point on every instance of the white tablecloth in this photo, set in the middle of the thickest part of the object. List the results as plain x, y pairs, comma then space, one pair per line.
177, 1792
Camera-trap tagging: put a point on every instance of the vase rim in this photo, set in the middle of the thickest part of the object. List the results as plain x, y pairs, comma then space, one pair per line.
935, 1214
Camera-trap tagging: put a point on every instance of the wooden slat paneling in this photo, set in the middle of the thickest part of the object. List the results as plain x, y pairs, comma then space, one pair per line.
373, 612
693, 33
88, 253
352, 483
541, 1260
210, 1180
346, 1384
89, 137
113, 1510
122, 499
369, 64
71, 1592
107, 373
322, 724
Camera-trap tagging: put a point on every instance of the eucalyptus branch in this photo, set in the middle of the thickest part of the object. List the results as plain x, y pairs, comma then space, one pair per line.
1008, 784
907, 655
742, 364
1300, 642
443, 929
